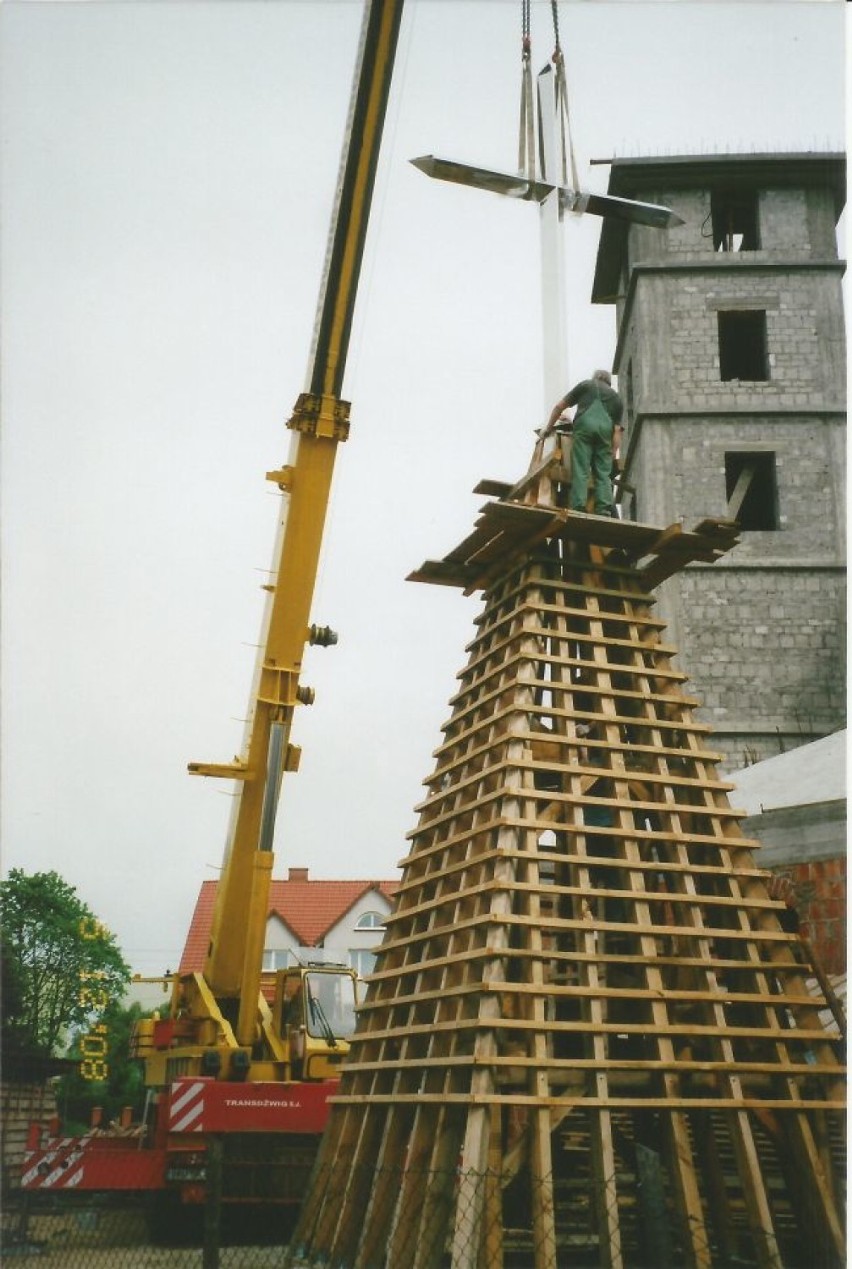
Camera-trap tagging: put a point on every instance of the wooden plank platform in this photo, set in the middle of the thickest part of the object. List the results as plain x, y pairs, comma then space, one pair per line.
510, 525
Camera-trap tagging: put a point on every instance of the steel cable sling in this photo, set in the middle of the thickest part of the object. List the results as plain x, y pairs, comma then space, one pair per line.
527, 128
567, 144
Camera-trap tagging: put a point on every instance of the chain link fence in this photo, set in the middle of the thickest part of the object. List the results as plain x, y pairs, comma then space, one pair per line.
636, 1217
117, 1231
102, 1231
227, 1207
395, 1218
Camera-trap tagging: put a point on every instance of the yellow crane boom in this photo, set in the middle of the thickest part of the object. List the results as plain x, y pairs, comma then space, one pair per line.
320, 420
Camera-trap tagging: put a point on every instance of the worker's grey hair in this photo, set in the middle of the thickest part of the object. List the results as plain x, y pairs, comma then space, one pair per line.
604, 375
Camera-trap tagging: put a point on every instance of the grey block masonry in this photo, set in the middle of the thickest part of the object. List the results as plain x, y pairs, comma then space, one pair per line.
761, 632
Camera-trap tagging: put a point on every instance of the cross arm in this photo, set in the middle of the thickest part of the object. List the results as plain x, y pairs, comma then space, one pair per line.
516, 186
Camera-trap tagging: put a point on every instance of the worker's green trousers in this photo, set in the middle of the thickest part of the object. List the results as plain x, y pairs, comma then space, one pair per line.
591, 450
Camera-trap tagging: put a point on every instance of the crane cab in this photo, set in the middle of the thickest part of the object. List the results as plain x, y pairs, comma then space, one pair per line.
314, 1013
305, 1020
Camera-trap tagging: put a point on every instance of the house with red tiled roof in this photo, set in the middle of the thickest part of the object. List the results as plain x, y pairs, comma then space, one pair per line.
339, 921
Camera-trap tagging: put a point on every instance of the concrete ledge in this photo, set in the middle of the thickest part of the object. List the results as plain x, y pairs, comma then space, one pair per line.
799, 834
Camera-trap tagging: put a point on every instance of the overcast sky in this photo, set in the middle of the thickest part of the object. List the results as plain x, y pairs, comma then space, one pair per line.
167, 186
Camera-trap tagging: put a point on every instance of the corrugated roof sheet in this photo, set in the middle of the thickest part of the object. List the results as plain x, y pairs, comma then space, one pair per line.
308, 908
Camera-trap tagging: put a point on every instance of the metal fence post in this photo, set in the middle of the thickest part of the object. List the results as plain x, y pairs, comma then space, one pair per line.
213, 1203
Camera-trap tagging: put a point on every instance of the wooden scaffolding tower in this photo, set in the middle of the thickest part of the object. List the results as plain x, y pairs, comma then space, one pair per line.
589, 1039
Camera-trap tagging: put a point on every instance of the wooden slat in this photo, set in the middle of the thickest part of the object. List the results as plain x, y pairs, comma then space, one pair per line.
627, 1066
679, 1102
493, 488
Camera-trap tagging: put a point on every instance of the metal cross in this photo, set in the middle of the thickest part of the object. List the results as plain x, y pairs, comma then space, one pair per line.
554, 199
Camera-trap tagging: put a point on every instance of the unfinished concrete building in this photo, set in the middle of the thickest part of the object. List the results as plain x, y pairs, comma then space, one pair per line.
589, 1039
731, 362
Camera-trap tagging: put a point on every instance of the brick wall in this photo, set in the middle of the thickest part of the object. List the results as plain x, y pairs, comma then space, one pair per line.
819, 896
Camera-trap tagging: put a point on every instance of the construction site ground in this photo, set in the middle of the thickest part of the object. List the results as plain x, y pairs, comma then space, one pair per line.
94, 1237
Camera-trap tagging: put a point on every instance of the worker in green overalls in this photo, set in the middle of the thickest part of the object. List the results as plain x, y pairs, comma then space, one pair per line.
595, 438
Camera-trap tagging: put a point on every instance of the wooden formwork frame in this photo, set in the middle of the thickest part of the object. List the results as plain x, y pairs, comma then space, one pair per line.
583, 951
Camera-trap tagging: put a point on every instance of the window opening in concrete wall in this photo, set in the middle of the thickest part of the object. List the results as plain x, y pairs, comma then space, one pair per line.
742, 345
735, 222
752, 490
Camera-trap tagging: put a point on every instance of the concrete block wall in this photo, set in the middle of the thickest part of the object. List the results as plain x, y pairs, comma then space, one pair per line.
671, 337
799, 220
761, 633
680, 471
766, 662
782, 648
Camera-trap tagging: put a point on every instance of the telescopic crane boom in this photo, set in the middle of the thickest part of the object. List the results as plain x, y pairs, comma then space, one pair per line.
226, 999
222, 1028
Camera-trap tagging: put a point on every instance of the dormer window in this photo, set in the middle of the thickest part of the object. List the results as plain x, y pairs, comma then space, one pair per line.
370, 921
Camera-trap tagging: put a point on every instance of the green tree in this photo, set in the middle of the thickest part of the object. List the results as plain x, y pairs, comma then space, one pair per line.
62, 967
123, 1083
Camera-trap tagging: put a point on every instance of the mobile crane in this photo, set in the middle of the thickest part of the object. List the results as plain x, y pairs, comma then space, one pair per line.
255, 1068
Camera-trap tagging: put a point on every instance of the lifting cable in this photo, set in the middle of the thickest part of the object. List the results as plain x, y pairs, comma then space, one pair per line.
567, 144
526, 140
527, 130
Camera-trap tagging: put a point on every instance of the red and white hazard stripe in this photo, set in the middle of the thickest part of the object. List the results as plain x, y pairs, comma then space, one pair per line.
58, 1166
186, 1109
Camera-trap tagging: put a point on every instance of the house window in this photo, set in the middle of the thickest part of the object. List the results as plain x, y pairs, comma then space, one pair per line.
742, 345
370, 921
735, 223
752, 490
278, 958
362, 960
